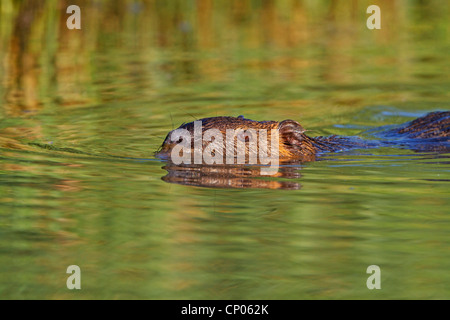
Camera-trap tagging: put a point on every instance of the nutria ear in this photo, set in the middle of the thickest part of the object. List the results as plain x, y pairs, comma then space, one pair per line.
290, 128
293, 125
291, 132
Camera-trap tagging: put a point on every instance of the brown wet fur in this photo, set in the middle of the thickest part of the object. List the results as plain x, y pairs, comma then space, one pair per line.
294, 144
433, 125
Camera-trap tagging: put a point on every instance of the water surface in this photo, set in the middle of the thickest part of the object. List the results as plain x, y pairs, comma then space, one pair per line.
82, 112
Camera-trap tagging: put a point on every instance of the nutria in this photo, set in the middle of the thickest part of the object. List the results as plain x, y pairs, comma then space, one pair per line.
429, 133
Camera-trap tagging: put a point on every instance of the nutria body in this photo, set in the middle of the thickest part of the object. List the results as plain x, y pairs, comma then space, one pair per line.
430, 132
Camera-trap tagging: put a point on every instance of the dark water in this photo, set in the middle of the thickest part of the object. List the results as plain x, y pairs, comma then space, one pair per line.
82, 112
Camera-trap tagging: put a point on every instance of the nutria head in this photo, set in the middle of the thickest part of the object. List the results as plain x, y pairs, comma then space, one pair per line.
293, 144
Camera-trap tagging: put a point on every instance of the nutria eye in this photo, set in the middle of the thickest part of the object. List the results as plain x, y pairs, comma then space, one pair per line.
180, 140
244, 137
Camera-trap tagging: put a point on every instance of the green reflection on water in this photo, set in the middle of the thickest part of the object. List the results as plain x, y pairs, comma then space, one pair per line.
114, 89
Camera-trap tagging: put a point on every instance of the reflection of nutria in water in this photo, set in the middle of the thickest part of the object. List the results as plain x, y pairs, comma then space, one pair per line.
427, 133
231, 176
